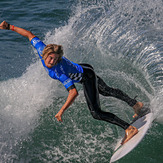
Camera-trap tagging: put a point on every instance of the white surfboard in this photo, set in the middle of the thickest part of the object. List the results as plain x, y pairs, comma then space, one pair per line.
142, 124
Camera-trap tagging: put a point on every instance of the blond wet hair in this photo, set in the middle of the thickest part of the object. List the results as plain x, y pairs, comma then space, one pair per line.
52, 48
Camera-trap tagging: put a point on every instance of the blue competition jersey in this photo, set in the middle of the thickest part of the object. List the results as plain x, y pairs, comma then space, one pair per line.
65, 71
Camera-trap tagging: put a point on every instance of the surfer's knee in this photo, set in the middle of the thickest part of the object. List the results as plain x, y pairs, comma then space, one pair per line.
95, 115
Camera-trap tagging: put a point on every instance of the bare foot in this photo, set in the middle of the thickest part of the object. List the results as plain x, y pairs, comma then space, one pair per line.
137, 107
129, 133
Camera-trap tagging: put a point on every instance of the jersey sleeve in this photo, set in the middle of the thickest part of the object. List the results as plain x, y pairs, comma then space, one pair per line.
66, 81
39, 45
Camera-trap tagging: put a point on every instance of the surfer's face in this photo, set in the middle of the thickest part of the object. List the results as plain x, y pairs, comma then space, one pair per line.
51, 60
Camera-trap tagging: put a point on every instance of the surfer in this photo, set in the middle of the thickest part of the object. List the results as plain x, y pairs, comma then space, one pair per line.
68, 73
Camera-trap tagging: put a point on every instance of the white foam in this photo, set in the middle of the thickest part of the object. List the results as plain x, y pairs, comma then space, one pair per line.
22, 99
157, 105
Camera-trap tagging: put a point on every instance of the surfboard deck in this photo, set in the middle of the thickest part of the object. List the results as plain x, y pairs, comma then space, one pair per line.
142, 123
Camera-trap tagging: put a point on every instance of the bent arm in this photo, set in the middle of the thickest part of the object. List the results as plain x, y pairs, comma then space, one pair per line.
70, 99
21, 31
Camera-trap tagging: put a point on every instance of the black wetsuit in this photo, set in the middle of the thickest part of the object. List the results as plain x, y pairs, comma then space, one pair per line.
93, 86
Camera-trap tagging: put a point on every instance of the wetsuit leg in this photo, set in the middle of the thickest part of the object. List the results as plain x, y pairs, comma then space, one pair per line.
105, 90
92, 97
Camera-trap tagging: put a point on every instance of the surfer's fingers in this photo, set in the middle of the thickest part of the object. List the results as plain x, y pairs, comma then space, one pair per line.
4, 22
4, 25
59, 119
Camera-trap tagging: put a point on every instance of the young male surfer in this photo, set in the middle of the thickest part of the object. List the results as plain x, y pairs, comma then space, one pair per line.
68, 73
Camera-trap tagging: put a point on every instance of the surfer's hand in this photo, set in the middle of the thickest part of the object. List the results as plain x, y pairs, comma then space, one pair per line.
4, 25
59, 116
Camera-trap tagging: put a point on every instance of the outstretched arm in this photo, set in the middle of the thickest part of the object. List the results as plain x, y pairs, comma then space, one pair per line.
70, 99
21, 31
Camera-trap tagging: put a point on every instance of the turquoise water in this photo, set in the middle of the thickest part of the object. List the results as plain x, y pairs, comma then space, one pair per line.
121, 39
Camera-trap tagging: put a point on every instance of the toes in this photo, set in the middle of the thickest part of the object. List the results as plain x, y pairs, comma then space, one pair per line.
135, 115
